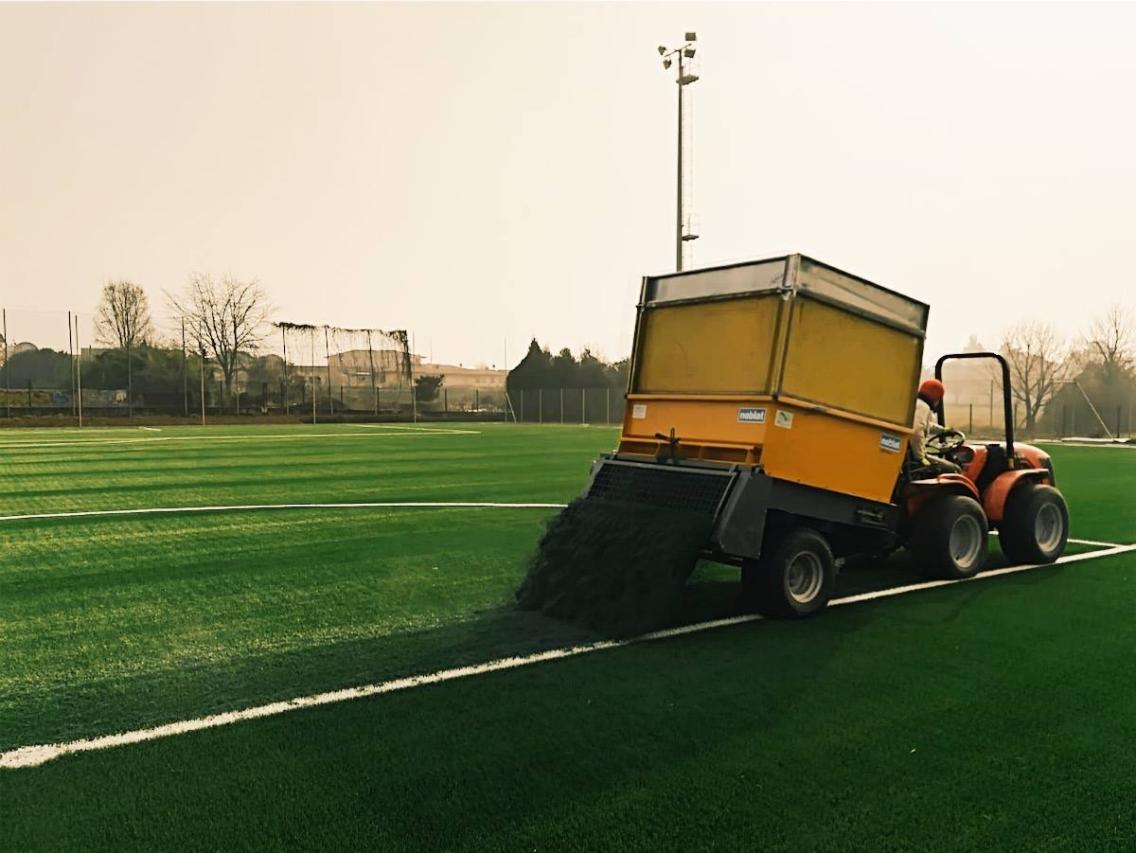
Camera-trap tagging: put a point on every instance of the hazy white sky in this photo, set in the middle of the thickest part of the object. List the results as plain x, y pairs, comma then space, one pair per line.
483, 173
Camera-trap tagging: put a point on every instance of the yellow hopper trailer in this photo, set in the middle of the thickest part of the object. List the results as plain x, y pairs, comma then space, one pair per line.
777, 396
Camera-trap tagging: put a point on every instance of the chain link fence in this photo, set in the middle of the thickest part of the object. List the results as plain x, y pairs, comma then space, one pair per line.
54, 366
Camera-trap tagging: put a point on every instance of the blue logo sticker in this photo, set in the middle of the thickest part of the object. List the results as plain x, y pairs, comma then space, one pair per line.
891, 443
751, 416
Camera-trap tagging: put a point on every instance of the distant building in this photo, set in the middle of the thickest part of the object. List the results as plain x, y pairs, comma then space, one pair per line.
353, 369
16, 349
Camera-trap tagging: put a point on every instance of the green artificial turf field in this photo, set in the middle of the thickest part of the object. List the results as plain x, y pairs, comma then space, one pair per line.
983, 715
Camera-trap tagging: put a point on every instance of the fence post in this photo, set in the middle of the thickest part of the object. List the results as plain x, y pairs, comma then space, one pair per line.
583, 406
71, 353
540, 405
184, 372
446, 400
477, 400
200, 376
78, 368
561, 404
8, 365
1118, 421
607, 418
970, 429
522, 405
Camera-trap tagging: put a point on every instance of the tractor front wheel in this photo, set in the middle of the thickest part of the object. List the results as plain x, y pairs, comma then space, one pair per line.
794, 579
1035, 524
949, 539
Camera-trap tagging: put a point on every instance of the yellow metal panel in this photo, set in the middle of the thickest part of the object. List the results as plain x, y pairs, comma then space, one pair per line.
724, 347
829, 452
845, 361
695, 421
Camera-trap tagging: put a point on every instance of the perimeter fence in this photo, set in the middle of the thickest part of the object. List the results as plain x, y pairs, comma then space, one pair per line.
54, 366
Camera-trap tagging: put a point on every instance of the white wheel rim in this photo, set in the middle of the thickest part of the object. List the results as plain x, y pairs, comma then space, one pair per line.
1048, 526
965, 542
804, 578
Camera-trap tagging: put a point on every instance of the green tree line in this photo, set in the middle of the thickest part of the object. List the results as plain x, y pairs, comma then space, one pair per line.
541, 369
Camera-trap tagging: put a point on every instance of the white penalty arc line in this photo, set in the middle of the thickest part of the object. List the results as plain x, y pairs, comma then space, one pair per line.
37, 754
164, 510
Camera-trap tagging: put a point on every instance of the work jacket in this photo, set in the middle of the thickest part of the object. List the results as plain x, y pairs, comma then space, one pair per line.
925, 426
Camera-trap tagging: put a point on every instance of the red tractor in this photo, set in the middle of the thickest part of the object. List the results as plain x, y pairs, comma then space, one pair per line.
1005, 486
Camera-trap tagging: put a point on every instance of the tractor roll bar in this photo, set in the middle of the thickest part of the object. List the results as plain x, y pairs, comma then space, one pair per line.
1007, 402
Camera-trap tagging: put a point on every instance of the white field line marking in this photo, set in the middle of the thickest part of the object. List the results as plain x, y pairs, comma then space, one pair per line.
416, 428
36, 754
159, 510
1092, 542
214, 439
150, 429
993, 573
1114, 445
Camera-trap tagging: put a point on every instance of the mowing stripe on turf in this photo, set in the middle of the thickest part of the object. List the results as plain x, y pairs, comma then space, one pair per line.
36, 754
160, 510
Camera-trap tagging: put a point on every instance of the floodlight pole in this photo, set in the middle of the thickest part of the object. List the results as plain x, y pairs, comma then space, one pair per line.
683, 78
678, 201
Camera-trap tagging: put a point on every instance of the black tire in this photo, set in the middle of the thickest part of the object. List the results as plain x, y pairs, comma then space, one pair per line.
794, 579
1035, 524
949, 538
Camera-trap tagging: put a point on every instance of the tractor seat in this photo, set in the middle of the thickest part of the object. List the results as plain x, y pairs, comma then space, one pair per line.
996, 462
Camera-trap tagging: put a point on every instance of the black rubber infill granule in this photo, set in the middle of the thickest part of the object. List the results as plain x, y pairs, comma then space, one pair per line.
617, 568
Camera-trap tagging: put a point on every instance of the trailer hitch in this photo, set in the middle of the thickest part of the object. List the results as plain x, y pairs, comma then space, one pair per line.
672, 441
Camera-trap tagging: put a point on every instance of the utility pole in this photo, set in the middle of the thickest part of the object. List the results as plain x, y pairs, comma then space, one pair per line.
684, 77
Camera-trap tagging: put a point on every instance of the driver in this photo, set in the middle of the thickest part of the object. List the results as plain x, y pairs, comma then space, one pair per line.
931, 393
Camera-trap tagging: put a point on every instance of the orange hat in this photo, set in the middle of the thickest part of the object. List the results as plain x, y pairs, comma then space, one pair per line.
932, 390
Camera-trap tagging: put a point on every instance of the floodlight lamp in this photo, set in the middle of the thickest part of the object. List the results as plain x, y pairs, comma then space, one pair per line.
688, 52
662, 50
692, 36
666, 63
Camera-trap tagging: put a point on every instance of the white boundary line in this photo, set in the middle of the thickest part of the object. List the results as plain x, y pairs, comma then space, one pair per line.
1115, 445
161, 510
36, 754
215, 439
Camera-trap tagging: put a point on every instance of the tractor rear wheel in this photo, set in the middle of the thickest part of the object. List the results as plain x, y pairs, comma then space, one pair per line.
1035, 524
949, 539
794, 579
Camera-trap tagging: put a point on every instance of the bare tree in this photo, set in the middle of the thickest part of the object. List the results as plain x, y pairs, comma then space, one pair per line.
123, 317
1039, 366
1111, 343
123, 320
223, 319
